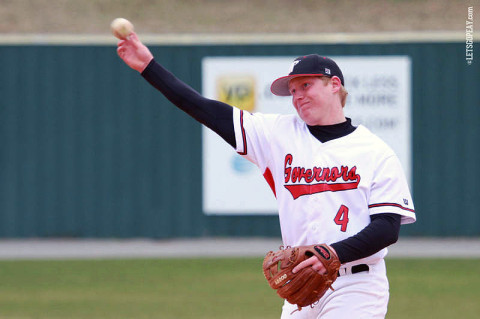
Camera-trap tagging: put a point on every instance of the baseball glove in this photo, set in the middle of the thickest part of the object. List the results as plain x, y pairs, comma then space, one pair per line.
306, 286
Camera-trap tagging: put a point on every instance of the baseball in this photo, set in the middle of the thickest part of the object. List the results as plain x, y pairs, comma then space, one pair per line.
121, 28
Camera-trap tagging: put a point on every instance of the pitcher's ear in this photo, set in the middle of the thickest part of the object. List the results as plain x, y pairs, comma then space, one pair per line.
336, 83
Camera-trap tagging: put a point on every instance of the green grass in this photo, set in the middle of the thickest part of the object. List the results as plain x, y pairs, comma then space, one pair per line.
211, 288
162, 288
434, 288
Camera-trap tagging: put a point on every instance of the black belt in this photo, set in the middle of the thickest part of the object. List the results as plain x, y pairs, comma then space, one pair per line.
358, 268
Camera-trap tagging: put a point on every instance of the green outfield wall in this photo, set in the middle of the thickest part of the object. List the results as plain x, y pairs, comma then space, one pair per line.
89, 149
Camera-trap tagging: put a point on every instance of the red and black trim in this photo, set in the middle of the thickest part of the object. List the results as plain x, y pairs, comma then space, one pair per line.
244, 136
391, 204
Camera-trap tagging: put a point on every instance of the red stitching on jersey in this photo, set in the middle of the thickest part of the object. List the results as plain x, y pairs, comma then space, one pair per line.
244, 137
391, 204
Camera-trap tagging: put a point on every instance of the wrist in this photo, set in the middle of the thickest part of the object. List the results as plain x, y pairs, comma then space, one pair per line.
334, 250
142, 67
145, 65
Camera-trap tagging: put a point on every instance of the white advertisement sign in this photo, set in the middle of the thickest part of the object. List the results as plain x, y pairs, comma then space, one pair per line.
379, 98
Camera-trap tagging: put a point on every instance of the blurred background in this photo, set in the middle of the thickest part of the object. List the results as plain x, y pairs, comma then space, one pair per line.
90, 150
215, 16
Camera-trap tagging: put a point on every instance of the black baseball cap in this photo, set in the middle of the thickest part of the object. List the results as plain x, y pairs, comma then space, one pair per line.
308, 65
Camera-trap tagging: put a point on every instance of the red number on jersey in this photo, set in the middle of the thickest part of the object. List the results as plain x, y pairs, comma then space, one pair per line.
341, 218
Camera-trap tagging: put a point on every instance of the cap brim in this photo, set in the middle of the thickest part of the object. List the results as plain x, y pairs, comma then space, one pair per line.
280, 86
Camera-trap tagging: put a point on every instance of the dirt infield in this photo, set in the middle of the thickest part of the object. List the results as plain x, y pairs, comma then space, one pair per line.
210, 247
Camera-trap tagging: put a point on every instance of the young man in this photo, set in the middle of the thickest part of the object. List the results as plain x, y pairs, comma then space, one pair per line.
335, 183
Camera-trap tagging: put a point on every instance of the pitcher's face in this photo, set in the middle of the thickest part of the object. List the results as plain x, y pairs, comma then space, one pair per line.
312, 98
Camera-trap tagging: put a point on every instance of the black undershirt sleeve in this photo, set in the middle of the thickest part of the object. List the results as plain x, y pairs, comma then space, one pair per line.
382, 231
213, 114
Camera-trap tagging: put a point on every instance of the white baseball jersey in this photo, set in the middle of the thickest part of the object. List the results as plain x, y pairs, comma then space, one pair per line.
325, 192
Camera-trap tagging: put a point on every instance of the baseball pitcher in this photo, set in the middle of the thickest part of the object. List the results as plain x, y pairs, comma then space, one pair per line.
341, 191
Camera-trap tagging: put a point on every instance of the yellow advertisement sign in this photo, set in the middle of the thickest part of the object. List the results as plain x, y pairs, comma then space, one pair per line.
237, 90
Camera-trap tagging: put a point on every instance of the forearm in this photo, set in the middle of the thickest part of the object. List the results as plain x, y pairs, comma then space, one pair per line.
380, 233
215, 115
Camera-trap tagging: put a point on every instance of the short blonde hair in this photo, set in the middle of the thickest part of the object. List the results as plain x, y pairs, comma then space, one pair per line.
343, 91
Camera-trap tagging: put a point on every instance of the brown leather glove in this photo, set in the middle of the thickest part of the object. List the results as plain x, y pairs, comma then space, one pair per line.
306, 286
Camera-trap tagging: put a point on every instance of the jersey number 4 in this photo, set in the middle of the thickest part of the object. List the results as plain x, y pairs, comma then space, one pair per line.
341, 218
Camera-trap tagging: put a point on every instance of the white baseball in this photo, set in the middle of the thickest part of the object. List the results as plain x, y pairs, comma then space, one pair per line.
121, 28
